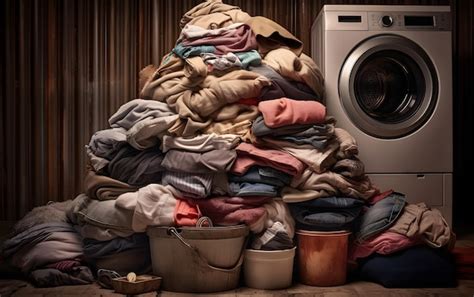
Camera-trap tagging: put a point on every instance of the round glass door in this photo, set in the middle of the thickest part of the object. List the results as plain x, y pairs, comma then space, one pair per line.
388, 86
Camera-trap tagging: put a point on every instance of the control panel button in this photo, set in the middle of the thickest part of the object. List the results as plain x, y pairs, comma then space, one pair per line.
387, 21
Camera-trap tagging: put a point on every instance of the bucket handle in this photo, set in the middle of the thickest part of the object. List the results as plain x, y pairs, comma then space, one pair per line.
203, 260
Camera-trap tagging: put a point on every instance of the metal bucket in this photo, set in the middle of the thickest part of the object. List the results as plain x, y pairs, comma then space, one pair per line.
198, 259
322, 257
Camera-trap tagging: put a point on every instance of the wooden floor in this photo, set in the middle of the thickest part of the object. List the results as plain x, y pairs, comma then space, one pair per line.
465, 288
362, 289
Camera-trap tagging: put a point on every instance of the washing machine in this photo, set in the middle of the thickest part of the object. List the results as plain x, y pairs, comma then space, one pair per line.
388, 82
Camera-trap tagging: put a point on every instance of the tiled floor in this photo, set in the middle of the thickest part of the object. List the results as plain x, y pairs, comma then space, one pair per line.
362, 289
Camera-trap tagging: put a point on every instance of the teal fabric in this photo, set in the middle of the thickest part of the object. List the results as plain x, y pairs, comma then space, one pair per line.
190, 51
250, 58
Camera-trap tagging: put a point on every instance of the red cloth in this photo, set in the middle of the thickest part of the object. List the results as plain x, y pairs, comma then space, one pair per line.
232, 210
185, 213
65, 265
381, 196
248, 101
284, 112
249, 155
386, 243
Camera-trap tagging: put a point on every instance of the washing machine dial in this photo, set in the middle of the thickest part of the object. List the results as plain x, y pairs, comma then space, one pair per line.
387, 21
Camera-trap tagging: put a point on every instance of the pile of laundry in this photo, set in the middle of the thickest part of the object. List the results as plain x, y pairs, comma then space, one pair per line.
231, 126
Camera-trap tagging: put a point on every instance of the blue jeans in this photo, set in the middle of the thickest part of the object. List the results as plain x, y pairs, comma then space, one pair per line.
326, 214
263, 175
380, 216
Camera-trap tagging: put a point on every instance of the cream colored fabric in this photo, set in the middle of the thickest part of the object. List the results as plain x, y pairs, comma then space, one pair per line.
292, 67
144, 120
194, 97
276, 211
347, 144
212, 14
153, 205
231, 119
270, 35
201, 143
418, 220
310, 185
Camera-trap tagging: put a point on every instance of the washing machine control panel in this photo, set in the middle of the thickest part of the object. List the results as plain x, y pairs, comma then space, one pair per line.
403, 21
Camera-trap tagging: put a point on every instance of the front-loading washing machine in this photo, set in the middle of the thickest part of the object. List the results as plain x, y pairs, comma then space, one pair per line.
388, 82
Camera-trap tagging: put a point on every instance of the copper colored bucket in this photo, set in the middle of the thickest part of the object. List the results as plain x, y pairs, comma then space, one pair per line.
322, 257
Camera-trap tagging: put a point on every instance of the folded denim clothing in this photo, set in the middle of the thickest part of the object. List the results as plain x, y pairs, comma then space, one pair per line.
381, 216
263, 175
326, 214
191, 185
252, 189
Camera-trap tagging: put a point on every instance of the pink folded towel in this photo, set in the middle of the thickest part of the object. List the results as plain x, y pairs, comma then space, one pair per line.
284, 112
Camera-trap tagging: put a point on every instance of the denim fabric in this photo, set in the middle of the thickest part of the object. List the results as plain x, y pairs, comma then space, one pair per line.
189, 51
326, 214
96, 249
332, 203
380, 216
252, 189
263, 175
319, 142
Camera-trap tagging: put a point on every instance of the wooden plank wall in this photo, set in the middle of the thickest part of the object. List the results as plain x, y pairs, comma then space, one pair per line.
66, 66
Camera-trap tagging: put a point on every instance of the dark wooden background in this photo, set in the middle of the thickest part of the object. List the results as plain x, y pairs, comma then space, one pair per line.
66, 66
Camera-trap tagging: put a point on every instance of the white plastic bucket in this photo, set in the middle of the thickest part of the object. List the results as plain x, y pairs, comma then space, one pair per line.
198, 259
268, 270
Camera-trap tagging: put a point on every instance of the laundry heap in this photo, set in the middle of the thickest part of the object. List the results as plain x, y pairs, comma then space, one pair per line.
232, 126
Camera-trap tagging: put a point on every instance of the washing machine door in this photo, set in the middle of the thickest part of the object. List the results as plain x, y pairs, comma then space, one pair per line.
388, 86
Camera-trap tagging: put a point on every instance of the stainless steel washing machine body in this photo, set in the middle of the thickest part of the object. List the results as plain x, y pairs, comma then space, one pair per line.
388, 77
